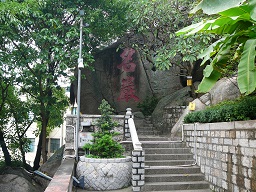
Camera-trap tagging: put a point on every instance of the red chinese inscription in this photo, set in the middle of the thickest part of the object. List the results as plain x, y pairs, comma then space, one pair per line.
127, 65
127, 87
128, 90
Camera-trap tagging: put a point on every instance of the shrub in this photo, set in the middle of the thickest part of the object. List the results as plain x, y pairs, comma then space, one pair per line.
241, 109
148, 105
104, 145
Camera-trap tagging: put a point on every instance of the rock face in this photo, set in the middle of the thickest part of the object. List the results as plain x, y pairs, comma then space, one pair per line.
17, 180
224, 89
124, 80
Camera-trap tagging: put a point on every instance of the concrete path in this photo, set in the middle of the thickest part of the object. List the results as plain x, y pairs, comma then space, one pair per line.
128, 189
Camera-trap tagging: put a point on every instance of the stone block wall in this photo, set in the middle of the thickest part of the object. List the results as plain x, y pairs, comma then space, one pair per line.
71, 127
171, 115
226, 153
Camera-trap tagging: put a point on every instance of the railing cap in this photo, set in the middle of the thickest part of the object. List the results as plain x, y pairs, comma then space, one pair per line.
128, 111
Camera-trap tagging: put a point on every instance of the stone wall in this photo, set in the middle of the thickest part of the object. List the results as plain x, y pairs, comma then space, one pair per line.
71, 126
171, 115
105, 174
226, 153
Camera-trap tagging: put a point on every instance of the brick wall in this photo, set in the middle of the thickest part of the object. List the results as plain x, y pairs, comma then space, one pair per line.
226, 153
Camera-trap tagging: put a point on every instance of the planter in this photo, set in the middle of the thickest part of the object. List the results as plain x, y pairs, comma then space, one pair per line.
105, 174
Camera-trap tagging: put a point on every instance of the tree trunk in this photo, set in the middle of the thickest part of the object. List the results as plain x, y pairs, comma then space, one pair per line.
38, 153
44, 152
7, 156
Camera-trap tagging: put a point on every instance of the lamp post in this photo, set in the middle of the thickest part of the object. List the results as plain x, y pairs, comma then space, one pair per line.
80, 66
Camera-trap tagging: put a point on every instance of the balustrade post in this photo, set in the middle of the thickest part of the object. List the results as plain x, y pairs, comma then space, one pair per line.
138, 169
127, 116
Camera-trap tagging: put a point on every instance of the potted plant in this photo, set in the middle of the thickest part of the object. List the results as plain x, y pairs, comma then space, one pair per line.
105, 168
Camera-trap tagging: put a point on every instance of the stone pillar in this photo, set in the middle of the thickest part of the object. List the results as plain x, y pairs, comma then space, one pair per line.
127, 116
138, 170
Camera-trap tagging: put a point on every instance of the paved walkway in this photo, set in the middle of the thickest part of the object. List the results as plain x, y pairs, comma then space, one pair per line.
128, 189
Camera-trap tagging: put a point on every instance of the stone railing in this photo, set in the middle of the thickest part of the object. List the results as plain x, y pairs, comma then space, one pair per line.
138, 154
62, 180
226, 153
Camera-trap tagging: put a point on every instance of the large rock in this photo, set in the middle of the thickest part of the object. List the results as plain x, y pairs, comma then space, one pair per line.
18, 180
124, 80
224, 89
53, 163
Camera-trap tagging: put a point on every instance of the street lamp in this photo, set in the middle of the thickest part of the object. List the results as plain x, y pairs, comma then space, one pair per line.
80, 66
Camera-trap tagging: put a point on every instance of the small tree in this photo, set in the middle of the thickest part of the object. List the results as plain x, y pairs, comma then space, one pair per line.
104, 145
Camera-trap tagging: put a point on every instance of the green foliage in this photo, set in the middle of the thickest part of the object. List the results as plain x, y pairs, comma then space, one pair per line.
15, 163
148, 105
104, 145
39, 45
105, 122
240, 109
157, 22
236, 24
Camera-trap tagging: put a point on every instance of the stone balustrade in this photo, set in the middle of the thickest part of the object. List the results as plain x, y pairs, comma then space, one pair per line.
138, 154
226, 153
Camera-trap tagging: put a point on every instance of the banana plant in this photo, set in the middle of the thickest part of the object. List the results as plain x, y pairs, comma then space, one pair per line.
235, 23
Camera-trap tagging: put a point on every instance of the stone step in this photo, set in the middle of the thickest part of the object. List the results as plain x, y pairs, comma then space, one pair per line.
171, 170
197, 190
146, 126
161, 144
145, 132
169, 165
168, 156
169, 162
167, 150
174, 177
167, 186
192, 190
152, 138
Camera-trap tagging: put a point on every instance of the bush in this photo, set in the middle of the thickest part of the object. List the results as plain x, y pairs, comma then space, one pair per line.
148, 105
241, 109
104, 145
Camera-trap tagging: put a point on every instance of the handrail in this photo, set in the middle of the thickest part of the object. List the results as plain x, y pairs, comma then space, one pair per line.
135, 140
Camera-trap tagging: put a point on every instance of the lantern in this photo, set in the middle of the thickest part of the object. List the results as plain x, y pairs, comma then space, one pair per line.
189, 80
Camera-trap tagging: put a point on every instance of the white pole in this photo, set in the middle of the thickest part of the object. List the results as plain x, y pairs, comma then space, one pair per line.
80, 66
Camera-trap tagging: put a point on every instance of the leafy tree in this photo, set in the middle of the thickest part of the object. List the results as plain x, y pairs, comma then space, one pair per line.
235, 22
155, 24
14, 122
17, 127
40, 40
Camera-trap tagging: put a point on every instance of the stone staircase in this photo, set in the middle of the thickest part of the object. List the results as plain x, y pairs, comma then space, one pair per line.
169, 165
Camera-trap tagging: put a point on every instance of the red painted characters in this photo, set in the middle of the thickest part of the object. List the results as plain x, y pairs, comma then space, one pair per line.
127, 91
